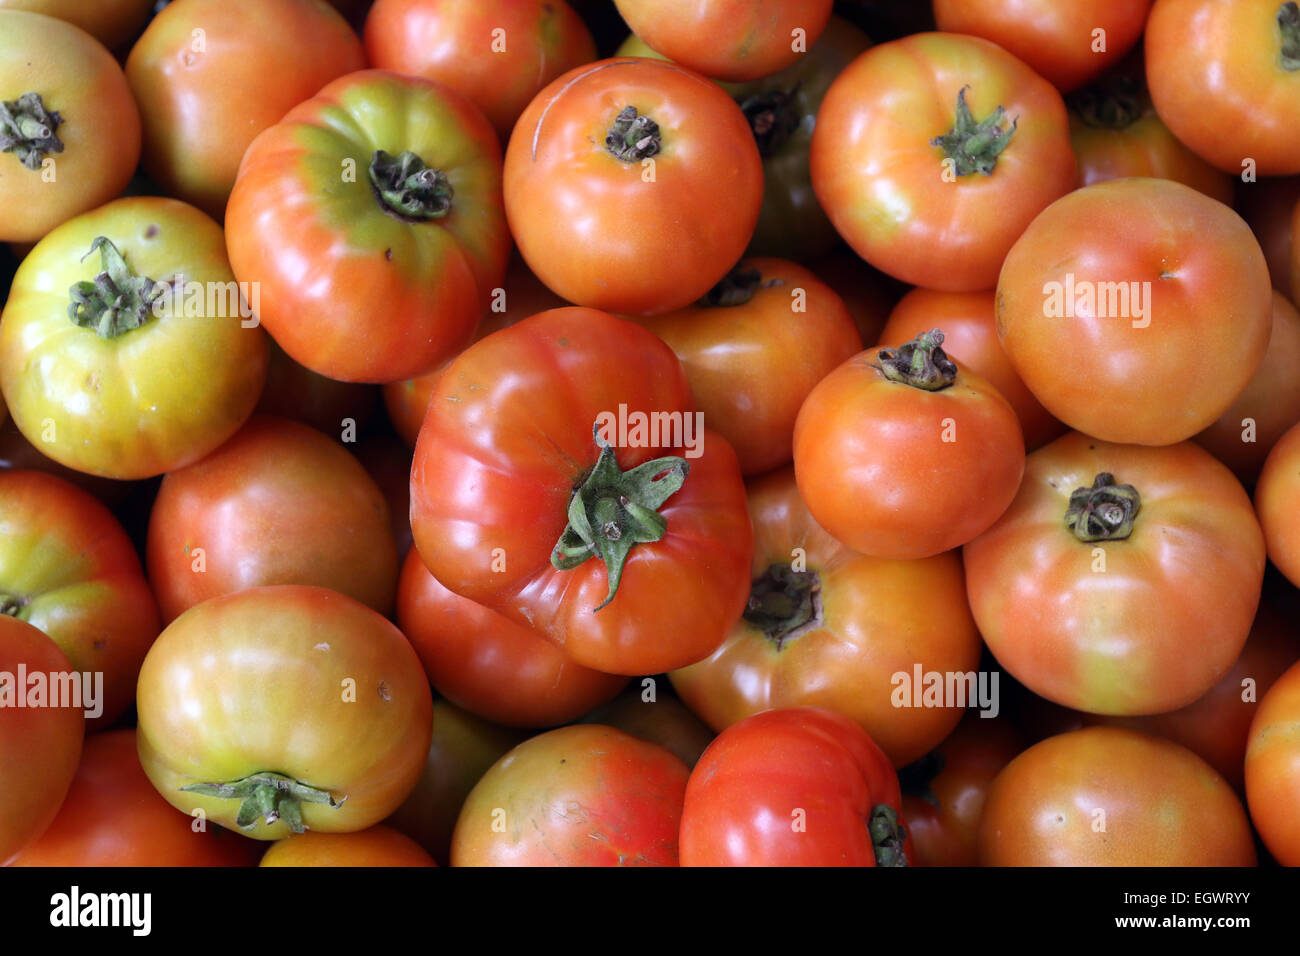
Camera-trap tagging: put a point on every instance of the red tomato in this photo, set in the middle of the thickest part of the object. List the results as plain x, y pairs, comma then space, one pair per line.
632, 185
1136, 310
1273, 769
901, 453
112, 816
279, 503
1122, 579
1111, 797
803, 786
507, 463
933, 153
487, 663
584, 795
377, 846
498, 53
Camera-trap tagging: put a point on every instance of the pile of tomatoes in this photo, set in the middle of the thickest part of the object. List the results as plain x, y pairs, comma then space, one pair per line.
649, 432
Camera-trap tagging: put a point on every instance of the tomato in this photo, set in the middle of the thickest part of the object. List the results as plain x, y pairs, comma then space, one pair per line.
1111, 797
665, 720
376, 846
487, 663
1136, 310
150, 375
868, 293
1273, 768
1225, 78
1276, 497
933, 153
1269, 205
944, 792
1066, 43
901, 453
1122, 579
498, 53
464, 747
1242, 436
39, 745
111, 22
112, 816
404, 253
279, 708
69, 129
210, 75
329, 406
970, 336
632, 185
803, 786
830, 627
732, 39
279, 503
753, 349
584, 795
17, 452
387, 459
68, 568
534, 438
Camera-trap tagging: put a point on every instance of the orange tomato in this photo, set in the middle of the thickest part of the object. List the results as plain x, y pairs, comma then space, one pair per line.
1273, 768
377, 846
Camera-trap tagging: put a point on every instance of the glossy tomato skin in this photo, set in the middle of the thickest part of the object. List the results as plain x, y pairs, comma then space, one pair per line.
895, 471
299, 681
112, 816
419, 286
376, 846
1076, 278
1133, 625
279, 503
497, 53
871, 619
497, 461
792, 787
152, 398
39, 746
1159, 804
1273, 768
1219, 65
584, 795
1276, 497
752, 364
1055, 39
487, 663
632, 235
204, 97
111, 22
99, 130
971, 337
886, 186
68, 568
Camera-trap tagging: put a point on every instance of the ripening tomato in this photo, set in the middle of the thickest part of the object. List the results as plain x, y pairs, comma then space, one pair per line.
1242, 436
1273, 768
1268, 206
583, 795
570, 436
112, 816
662, 720
499, 53
1225, 77
404, 253
970, 336
16, 452
111, 22
803, 786
1136, 310
487, 663
1123, 579
68, 568
109, 363
753, 348
632, 185
902, 453
210, 75
279, 503
375, 846
39, 745
933, 153
833, 628
1066, 43
69, 129
1111, 797
284, 707
1277, 496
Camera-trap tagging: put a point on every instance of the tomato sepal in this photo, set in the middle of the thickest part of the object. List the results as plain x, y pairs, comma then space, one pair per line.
888, 837
269, 796
973, 146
